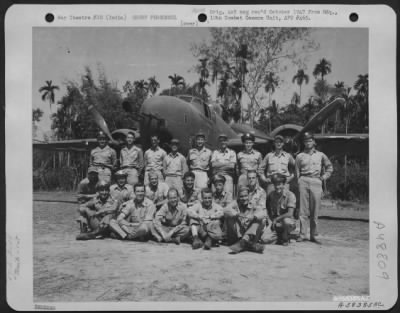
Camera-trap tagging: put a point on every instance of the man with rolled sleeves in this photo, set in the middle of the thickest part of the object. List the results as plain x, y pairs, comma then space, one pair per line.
131, 160
199, 159
189, 195
97, 213
280, 207
223, 162
103, 158
312, 168
175, 166
170, 222
87, 186
244, 224
121, 190
153, 159
135, 220
257, 195
205, 221
220, 195
275, 162
248, 159
156, 190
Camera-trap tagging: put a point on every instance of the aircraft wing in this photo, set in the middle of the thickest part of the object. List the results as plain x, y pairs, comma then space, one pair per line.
66, 145
341, 144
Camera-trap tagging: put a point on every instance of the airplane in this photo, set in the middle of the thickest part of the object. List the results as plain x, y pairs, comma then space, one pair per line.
183, 116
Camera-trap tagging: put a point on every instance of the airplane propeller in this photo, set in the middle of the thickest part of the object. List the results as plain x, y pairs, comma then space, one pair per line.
100, 121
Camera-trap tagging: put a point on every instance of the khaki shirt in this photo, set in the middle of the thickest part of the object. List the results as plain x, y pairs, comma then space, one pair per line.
138, 212
257, 198
198, 211
199, 159
107, 207
227, 157
223, 199
313, 164
245, 212
131, 158
279, 204
249, 161
159, 194
174, 165
153, 159
105, 157
274, 163
122, 194
190, 197
169, 217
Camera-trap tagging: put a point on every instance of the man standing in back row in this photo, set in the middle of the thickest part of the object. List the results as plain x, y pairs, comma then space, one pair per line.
312, 169
153, 160
131, 159
199, 159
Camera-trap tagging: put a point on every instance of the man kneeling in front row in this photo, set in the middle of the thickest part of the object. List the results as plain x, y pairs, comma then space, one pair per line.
136, 217
280, 206
244, 224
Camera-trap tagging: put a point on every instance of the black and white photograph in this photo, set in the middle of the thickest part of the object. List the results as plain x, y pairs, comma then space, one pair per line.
201, 164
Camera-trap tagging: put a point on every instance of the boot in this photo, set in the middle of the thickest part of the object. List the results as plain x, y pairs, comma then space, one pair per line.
256, 247
176, 240
239, 246
208, 243
197, 243
83, 227
86, 236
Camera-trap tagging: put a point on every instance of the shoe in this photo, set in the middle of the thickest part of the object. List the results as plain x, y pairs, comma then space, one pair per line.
279, 242
114, 236
129, 237
208, 243
300, 239
285, 243
257, 247
239, 246
86, 236
316, 241
197, 243
176, 240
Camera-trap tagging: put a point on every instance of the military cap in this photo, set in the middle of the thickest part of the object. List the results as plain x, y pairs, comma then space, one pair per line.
278, 178
102, 185
92, 169
120, 173
174, 141
222, 136
131, 133
243, 188
218, 178
248, 136
101, 134
308, 135
200, 134
278, 137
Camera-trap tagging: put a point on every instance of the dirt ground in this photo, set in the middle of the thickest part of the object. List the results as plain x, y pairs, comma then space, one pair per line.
112, 270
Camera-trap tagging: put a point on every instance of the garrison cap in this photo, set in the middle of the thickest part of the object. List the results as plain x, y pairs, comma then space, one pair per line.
101, 134
200, 134
248, 136
120, 173
308, 135
243, 188
218, 178
174, 141
278, 178
92, 169
279, 137
222, 136
102, 185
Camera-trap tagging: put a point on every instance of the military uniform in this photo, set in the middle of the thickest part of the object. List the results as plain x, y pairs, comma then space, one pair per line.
132, 163
279, 204
121, 194
309, 168
137, 221
168, 219
189, 197
104, 160
199, 164
153, 160
227, 160
174, 167
207, 220
248, 161
223, 199
157, 195
86, 190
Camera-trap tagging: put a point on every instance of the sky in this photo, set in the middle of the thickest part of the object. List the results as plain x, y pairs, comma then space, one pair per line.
60, 54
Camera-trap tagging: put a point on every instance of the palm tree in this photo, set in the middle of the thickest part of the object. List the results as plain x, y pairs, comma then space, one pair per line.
200, 88
300, 78
271, 82
203, 70
153, 85
339, 86
361, 85
176, 81
216, 69
323, 68
308, 108
48, 92
141, 86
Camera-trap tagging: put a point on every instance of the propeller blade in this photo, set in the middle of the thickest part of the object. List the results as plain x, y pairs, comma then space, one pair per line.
100, 121
321, 116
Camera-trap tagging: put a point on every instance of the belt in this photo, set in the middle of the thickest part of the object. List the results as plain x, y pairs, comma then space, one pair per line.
125, 167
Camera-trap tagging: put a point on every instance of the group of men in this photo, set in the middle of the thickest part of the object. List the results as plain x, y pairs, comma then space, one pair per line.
192, 198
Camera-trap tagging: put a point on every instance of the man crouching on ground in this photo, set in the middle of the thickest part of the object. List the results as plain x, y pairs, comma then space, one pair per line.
170, 222
97, 213
244, 224
280, 206
136, 217
205, 221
